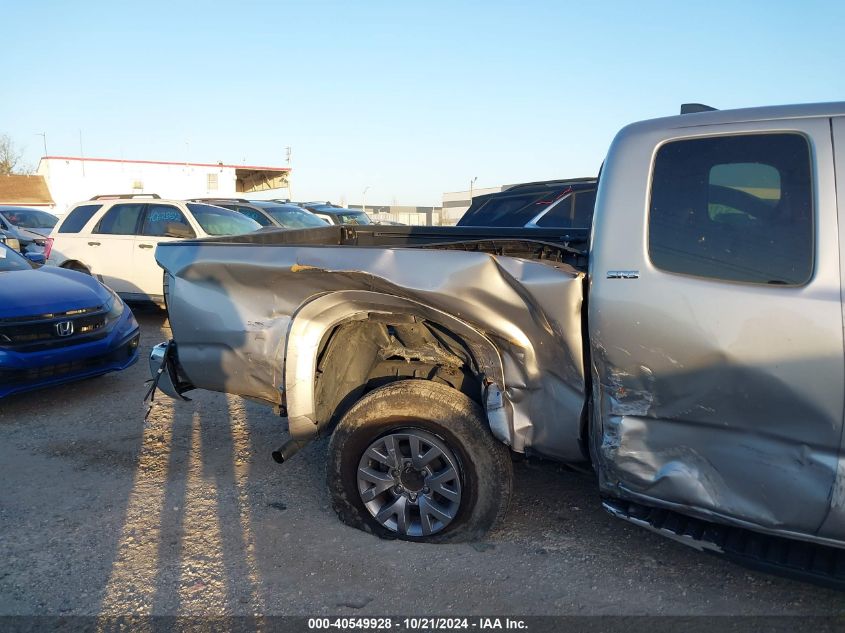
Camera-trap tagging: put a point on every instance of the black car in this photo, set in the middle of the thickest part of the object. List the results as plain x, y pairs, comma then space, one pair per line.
547, 204
269, 213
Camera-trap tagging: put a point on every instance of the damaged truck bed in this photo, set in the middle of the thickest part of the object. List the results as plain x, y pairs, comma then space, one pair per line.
301, 319
691, 349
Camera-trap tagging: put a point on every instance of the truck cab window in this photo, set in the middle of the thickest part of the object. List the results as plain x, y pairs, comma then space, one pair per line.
734, 208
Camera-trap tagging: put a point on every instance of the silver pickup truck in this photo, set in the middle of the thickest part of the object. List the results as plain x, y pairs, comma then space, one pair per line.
690, 347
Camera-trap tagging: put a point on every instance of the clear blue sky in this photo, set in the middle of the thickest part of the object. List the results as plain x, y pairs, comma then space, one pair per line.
409, 98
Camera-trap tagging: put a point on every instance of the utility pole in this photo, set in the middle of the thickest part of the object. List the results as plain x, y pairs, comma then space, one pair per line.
471, 185
288, 153
364, 199
43, 135
81, 153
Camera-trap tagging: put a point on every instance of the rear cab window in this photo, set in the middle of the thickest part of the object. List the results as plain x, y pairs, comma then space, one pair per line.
78, 218
734, 208
574, 211
513, 210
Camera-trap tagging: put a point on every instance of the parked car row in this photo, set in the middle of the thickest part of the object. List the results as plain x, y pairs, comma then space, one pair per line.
269, 213
102, 252
114, 238
68, 320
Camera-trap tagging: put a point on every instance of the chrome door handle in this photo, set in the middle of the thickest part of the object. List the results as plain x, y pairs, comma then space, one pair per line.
93, 243
145, 245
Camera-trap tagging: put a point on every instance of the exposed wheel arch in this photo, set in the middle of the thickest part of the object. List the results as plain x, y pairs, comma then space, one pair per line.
368, 316
387, 348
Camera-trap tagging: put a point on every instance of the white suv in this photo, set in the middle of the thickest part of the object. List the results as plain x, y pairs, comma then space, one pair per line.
114, 238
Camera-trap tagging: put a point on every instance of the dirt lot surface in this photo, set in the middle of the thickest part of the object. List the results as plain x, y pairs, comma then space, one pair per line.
188, 514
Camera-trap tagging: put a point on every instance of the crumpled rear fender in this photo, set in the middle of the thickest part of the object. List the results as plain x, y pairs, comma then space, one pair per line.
250, 319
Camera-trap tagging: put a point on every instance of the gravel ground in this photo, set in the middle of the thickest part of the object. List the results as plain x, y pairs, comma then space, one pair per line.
101, 513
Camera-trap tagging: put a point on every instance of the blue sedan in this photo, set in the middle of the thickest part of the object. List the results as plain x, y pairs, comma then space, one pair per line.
59, 325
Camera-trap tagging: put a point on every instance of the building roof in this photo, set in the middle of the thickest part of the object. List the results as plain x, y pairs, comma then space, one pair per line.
26, 190
164, 162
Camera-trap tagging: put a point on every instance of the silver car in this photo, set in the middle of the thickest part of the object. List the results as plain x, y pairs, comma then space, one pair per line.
30, 227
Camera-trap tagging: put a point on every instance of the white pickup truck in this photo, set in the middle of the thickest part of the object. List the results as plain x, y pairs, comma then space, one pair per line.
690, 347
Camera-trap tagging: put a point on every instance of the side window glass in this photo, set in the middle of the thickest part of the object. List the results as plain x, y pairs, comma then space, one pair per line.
163, 220
559, 216
121, 219
78, 218
734, 208
252, 214
585, 204
729, 182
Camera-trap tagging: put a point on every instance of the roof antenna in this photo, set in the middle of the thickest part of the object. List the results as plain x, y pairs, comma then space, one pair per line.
692, 108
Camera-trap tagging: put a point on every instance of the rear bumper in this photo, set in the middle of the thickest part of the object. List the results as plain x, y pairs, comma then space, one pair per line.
21, 371
163, 360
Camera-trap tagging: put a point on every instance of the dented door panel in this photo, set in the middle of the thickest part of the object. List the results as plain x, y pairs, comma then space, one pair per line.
722, 399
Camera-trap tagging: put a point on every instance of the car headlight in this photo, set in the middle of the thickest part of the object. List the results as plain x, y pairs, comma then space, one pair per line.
115, 305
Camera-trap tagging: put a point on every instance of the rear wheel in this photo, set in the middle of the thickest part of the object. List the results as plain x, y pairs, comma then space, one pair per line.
415, 460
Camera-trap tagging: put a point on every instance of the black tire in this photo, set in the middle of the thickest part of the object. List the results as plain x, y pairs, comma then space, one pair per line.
431, 410
80, 268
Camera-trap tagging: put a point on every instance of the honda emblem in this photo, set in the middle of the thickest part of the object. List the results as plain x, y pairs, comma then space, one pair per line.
64, 328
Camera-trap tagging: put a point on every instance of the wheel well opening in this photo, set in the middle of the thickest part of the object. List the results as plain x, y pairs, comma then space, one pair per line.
74, 264
359, 356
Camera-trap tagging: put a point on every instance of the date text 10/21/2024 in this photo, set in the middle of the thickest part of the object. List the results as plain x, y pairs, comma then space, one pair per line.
417, 623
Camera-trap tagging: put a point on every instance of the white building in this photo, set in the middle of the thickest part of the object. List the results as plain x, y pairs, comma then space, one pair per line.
72, 179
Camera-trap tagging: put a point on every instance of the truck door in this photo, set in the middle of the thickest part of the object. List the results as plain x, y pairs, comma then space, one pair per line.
717, 343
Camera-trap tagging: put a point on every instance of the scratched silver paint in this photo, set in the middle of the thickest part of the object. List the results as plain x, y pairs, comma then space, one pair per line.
250, 320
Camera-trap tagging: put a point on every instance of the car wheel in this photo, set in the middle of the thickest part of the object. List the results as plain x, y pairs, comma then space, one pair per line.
80, 268
415, 460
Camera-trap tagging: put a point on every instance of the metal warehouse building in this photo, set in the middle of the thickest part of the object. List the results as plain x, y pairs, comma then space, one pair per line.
73, 178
